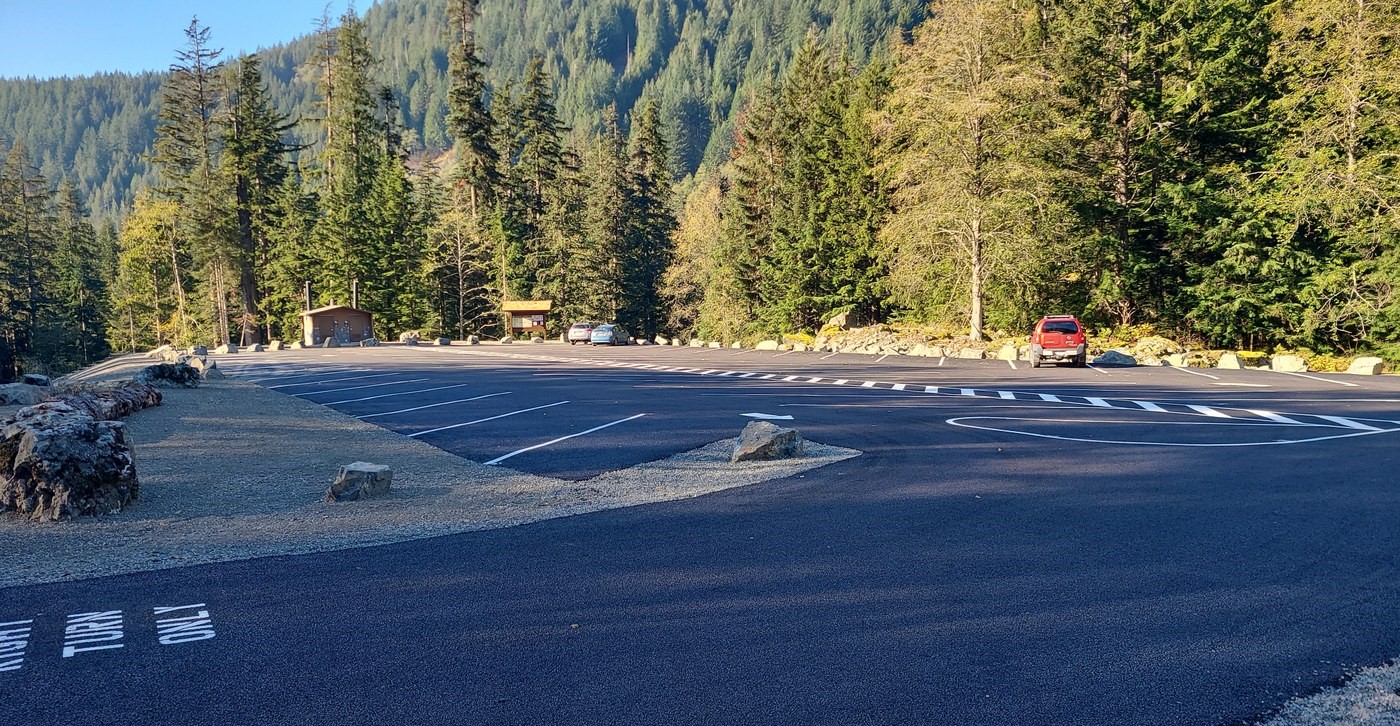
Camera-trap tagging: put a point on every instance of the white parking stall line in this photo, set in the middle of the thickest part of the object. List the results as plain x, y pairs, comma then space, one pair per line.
434, 405
1274, 417
333, 380
499, 459
292, 373
1012, 363
1194, 373
1149, 406
877, 360
828, 355
394, 395
1207, 410
1318, 378
940, 362
780, 355
484, 420
357, 388
1349, 423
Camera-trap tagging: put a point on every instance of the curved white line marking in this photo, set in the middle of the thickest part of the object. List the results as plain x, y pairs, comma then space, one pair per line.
959, 422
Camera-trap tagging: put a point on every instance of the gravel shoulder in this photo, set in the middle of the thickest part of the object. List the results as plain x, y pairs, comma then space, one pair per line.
233, 471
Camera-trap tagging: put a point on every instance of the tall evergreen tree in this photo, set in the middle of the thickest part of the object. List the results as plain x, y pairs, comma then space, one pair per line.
649, 248
253, 165
80, 285
186, 153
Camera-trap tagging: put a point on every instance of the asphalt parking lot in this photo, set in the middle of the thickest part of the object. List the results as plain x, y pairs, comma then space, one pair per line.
1014, 545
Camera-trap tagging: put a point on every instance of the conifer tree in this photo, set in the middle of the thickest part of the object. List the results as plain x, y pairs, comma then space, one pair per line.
649, 247
186, 153
253, 165
80, 285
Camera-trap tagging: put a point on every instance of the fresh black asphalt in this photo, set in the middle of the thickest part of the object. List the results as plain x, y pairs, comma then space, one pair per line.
949, 575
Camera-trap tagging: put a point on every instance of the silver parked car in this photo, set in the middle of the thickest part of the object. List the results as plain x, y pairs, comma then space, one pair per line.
581, 332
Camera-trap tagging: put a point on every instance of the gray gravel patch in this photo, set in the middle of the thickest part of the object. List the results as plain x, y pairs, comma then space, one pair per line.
233, 471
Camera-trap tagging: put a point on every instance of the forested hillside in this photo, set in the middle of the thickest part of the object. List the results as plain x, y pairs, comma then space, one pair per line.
701, 60
1223, 171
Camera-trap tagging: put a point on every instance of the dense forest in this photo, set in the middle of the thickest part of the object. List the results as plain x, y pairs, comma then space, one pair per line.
1223, 171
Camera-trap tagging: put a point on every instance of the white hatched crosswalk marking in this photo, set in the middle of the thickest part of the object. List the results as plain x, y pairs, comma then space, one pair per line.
1349, 423
1207, 410
1050, 397
1099, 402
1149, 406
1274, 417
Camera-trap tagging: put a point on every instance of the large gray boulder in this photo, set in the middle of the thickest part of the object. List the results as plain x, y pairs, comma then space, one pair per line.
972, 354
276, 345
1009, 352
360, 480
161, 352
255, 348
198, 350
766, 440
297, 345
212, 373
766, 345
34, 379
507, 340
226, 349
178, 375
1229, 361
369, 343
1366, 366
448, 341
111, 400
662, 340
1115, 358
473, 340
58, 462
1288, 364
408, 335
20, 394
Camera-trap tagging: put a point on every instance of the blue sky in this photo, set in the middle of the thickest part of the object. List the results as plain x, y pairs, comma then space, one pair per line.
49, 38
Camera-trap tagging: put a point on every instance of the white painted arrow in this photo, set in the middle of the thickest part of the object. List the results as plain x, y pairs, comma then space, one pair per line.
767, 416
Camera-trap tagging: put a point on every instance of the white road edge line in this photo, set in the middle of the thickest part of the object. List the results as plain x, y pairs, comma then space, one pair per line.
499, 459
432, 405
484, 420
